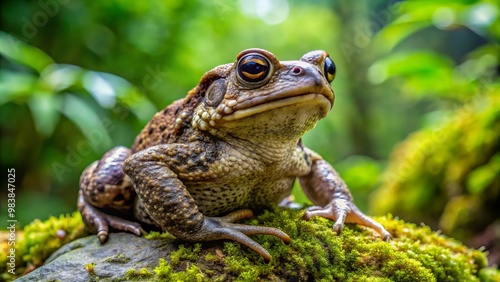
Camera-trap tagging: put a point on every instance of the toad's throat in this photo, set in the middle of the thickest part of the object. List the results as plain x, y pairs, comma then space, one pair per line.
295, 100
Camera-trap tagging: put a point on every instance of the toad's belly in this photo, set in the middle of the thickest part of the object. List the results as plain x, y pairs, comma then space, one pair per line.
214, 199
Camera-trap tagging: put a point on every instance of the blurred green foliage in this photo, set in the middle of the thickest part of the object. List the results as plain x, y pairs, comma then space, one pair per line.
79, 77
446, 174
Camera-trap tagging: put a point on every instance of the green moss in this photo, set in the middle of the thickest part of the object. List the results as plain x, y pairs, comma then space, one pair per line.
211, 257
163, 269
90, 267
158, 235
185, 253
164, 273
138, 275
118, 258
489, 274
416, 253
39, 239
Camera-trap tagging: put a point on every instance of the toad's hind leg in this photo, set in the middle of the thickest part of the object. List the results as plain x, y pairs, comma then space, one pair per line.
106, 190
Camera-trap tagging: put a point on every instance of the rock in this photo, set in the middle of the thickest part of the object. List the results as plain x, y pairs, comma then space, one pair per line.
316, 253
86, 259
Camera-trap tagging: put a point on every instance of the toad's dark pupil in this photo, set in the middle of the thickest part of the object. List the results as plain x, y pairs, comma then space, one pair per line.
330, 69
253, 68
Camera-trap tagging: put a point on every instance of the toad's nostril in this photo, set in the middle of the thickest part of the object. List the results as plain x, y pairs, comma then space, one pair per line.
297, 70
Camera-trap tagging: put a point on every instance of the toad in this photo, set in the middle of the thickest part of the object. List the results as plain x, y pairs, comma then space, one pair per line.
233, 144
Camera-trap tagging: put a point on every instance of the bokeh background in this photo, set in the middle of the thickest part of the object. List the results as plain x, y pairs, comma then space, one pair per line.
415, 130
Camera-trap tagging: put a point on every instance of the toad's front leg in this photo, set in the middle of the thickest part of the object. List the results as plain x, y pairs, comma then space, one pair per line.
168, 202
324, 187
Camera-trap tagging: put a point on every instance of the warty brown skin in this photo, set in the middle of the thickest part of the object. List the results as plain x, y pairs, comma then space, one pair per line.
233, 144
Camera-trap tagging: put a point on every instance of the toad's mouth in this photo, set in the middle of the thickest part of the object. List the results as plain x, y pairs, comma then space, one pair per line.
307, 98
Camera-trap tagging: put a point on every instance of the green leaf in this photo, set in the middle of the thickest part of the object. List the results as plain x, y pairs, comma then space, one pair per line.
100, 88
15, 86
394, 33
413, 16
131, 97
138, 104
45, 110
423, 71
18, 51
59, 76
106, 88
89, 123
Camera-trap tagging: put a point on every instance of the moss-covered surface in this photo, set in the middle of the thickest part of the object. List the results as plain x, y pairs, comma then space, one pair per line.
415, 254
37, 241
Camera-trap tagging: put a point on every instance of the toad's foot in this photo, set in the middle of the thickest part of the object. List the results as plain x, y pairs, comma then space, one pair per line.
216, 228
343, 211
99, 222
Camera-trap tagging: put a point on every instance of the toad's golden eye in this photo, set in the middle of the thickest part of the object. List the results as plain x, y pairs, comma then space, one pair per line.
253, 68
330, 69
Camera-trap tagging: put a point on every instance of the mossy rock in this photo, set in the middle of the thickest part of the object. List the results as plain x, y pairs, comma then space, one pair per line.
36, 242
316, 254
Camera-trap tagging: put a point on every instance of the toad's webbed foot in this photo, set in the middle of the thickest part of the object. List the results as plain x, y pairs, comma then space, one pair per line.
343, 211
99, 222
217, 228
324, 186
